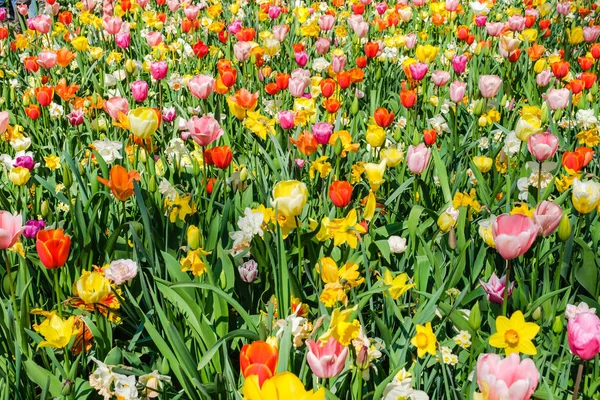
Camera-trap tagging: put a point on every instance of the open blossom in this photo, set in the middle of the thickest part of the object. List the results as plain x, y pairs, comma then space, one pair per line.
495, 288
121, 271
508, 378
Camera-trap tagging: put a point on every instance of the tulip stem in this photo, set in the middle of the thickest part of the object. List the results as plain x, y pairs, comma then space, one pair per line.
11, 285
57, 290
506, 286
578, 381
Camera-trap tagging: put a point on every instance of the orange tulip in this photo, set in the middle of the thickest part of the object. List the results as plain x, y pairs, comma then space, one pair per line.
595, 50
344, 79
383, 117
307, 144
282, 80
535, 52
221, 156
31, 64
586, 62
357, 75
33, 111
44, 95
64, 57
53, 247
66, 92
371, 49
228, 76
258, 358
272, 88
560, 69
245, 99
121, 182
589, 78
586, 155
408, 98
327, 87
332, 105
340, 193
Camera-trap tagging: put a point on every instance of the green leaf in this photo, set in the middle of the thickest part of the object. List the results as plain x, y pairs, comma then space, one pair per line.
41, 376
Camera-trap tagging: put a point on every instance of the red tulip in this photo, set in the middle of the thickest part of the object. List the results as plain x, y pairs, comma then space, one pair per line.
383, 117
258, 358
221, 156
340, 193
408, 98
53, 247
429, 136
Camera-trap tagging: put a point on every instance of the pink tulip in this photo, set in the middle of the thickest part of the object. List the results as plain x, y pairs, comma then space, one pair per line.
417, 158
457, 91
326, 22
116, 105
558, 98
123, 40
591, 33
322, 131
547, 216
274, 12
241, 50
112, 25
563, 8
506, 379
3, 14
459, 63
142, 3
513, 235
419, 3
159, 69
495, 288
89, 5
235, 26
489, 85
381, 8
301, 58
326, 361
201, 86
516, 22
480, 20
280, 32
154, 38
23, 9
4, 119
297, 86
410, 40
286, 119
451, 5
338, 63
418, 70
191, 12
42, 23
494, 28
11, 226
544, 77
204, 130
322, 46
169, 114
362, 28
583, 333
76, 117
47, 59
440, 78
542, 145
173, 5
405, 14
139, 90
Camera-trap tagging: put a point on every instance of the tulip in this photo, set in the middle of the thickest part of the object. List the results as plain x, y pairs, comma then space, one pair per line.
19, 176
283, 386
591, 33
159, 70
451, 5
139, 90
91, 287
116, 106
11, 226
191, 12
204, 130
42, 23
112, 25
301, 58
169, 114
410, 40
513, 235
558, 98
298, 84
241, 50
53, 247
429, 136
32, 227
340, 193
322, 47
560, 69
489, 85
440, 78
507, 378
544, 77
338, 63
583, 333
408, 98
4, 120
286, 119
221, 156
326, 361
563, 8
585, 196
495, 288
417, 158
494, 28
371, 49
326, 22
248, 271
547, 216
44, 95
121, 182
289, 197
201, 86
47, 59
542, 146
397, 244
418, 71
457, 91
154, 38
76, 117
383, 117
375, 173
280, 32
322, 131
459, 63
258, 358
56, 331
143, 122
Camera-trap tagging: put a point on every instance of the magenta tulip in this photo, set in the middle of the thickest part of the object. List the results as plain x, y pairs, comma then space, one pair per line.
513, 235
495, 287
326, 361
286, 119
459, 63
322, 131
418, 70
583, 333
139, 90
159, 69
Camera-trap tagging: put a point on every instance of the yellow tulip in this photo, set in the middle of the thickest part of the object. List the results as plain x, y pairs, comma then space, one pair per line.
540, 65
370, 206
483, 163
427, 53
19, 176
289, 197
283, 386
445, 222
143, 122
91, 287
80, 43
375, 135
392, 155
56, 331
193, 237
575, 35
586, 195
375, 174
526, 126
96, 52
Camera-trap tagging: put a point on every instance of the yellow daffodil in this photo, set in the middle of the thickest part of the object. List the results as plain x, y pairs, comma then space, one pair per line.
346, 141
180, 207
321, 166
193, 262
260, 125
514, 335
375, 173
424, 340
52, 162
340, 327
346, 230
397, 285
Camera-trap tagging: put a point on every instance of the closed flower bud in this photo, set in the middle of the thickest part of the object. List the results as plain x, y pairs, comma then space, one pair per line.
564, 228
67, 176
45, 208
537, 314
67, 388
452, 239
445, 222
354, 106
557, 325
193, 237
475, 317
479, 106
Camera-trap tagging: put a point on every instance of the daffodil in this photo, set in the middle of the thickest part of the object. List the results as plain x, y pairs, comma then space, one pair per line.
424, 340
260, 125
56, 331
341, 328
346, 230
180, 208
283, 386
514, 335
321, 166
398, 285
370, 206
194, 262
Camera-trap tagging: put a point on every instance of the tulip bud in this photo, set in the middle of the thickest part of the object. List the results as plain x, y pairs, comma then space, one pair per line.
362, 359
94, 182
545, 113
193, 237
338, 147
67, 388
537, 314
164, 367
557, 325
564, 228
67, 176
503, 101
130, 66
482, 121
452, 239
45, 208
378, 74
594, 89
581, 102
152, 184
478, 109
354, 106
475, 317
558, 114
243, 174
26, 101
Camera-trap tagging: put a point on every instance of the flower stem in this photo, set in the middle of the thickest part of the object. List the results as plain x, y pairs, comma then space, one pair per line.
57, 290
578, 380
11, 285
506, 286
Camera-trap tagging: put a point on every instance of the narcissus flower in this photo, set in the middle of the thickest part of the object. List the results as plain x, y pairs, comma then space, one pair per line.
344, 327
397, 285
514, 335
424, 340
